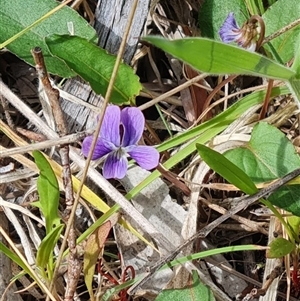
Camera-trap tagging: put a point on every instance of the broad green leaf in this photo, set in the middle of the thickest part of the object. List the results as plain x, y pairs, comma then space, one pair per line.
218, 58
214, 12
44, 257
279, 15
196, 291
279, 247
18, 14
270, 155
204, 133
95, 66
225, 168
48, 190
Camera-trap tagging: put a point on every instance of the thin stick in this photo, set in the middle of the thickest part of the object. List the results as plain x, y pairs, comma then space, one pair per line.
46, 144
74, 264
264, 108
212, 94
173, 91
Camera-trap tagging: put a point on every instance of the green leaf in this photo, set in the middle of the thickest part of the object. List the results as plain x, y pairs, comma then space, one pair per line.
95, 66
225, 168
269, 155
279, 247
280, 14
214, 12
110, 293
294, 222
196, 291
211, 252
19, 14
218, 58
10, 254
48, 190
294, 86
44, 257
296, 63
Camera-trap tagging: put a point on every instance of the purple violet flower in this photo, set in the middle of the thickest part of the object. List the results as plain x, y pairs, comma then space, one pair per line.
119, 136
245, 37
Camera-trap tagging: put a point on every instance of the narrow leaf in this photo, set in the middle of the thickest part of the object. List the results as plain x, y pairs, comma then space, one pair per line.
218, 58
294, 86
44, 257
95, 66
225, 168
19, 14
48, 190
10, 254
212, 252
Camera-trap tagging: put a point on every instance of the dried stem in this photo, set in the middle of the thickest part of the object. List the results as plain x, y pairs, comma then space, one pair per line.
266, 100
45, 144
255, 19
6, 112
74, 264
173, 91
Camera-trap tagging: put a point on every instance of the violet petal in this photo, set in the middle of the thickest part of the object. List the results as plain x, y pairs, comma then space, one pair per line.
134, 122
101, 148
110, 128
145, 156
115, 166
229, 31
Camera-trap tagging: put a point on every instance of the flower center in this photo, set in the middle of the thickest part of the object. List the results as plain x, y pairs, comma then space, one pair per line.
120, 152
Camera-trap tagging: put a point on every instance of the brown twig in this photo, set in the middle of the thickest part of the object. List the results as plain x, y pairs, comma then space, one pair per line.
74, 264
173, 179
212, 94
264, 108
45, 144
31, 135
